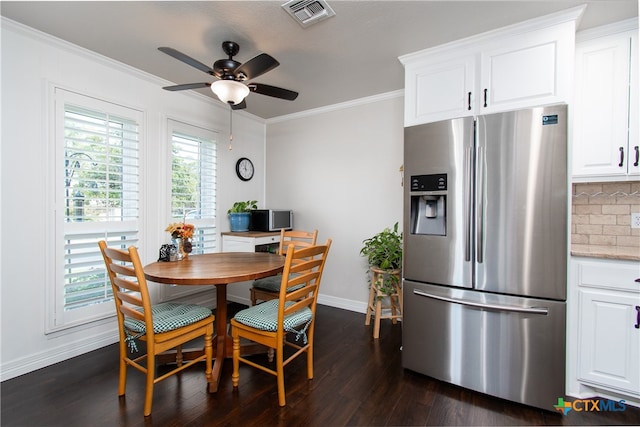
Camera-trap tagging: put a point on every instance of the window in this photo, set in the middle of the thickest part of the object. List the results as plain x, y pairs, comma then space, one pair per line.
97, 197
193, 182
194, 162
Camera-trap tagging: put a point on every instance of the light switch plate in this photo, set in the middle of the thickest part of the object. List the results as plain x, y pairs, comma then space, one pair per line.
635, 220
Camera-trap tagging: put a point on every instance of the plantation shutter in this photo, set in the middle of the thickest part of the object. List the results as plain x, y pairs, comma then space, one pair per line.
98, 144
193, 182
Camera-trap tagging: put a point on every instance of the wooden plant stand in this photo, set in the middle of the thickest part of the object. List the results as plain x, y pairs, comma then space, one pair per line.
377, 297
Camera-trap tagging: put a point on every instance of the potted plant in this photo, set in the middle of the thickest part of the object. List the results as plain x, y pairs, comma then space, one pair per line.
384, 255
240, 215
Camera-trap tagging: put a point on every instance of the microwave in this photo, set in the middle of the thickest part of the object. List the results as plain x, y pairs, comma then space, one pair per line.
271, 220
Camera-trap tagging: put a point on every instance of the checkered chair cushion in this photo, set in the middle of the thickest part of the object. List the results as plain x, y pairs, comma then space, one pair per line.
272, 283
265, 318
169, 316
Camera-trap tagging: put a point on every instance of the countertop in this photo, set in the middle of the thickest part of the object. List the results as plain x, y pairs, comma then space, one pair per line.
255, 234
606, 252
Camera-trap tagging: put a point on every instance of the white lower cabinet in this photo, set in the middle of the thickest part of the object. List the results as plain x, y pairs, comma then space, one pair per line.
608, 325
609, 342
247, 241
250, 241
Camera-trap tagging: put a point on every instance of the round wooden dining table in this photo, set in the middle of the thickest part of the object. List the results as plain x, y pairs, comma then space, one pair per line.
219, 269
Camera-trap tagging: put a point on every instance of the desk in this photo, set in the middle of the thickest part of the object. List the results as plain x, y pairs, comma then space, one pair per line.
217, 269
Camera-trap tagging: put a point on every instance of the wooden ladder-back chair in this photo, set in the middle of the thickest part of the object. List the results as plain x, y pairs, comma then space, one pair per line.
293, 312
163, 326
268, 288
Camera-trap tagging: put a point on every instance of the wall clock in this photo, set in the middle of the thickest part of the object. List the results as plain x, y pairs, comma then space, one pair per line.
244, 169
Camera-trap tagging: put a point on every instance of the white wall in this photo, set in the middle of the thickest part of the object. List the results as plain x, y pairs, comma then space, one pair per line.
32, 63
338, 169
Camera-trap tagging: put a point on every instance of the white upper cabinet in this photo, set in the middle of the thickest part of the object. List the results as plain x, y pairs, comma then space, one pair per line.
524, 65
528, 70
605, 126
439, 90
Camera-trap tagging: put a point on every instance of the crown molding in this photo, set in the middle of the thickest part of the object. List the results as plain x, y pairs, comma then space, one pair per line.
607, 30
340, 106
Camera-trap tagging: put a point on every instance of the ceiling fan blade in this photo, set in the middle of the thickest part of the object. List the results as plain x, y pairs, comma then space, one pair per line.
187, 86
186, 59
276, 92
240, 106
256, 66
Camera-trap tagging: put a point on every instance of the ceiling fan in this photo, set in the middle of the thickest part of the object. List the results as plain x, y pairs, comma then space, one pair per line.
230, 87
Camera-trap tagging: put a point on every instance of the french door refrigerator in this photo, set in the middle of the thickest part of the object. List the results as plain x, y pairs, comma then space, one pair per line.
485, 253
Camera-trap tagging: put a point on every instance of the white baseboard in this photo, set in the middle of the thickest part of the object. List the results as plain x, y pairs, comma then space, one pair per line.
32, 362
584, 391
239, 300
343, 303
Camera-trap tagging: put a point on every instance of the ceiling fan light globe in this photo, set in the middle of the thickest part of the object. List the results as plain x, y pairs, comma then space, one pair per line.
230, 91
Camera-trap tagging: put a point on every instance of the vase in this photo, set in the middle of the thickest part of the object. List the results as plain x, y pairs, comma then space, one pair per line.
177, 243
239, 221
187, 247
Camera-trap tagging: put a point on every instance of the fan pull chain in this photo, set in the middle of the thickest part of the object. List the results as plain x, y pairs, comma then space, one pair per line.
230, 128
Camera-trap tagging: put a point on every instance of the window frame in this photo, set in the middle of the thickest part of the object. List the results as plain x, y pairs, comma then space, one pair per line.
57, 318
172, 292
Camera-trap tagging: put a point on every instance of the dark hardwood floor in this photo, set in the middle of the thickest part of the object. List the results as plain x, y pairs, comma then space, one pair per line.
358, 381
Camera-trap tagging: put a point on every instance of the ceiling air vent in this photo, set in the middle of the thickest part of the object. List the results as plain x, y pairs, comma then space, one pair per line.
307, 12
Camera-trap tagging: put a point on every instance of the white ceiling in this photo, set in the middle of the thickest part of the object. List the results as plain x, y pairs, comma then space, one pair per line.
349, 56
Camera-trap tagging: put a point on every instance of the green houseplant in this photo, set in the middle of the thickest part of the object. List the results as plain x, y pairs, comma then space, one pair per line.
384, 251
240, 207
240, 214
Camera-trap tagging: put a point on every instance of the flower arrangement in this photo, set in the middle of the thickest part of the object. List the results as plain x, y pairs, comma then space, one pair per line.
180, 230
184, 232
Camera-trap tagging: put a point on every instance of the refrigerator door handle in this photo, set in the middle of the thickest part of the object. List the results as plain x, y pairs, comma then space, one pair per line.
468, 202
496, 307
480, 205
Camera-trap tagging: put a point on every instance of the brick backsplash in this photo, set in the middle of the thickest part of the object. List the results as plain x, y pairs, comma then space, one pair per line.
601, 218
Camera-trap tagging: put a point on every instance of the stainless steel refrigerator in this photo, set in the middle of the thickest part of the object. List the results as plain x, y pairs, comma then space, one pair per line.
485, 253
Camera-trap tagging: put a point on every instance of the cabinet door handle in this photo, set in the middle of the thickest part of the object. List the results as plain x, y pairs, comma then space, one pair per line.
621, 157
637, 325
637, 155
485, 98
469, 108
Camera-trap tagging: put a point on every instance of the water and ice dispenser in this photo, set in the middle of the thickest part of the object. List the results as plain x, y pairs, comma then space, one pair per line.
428, 204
